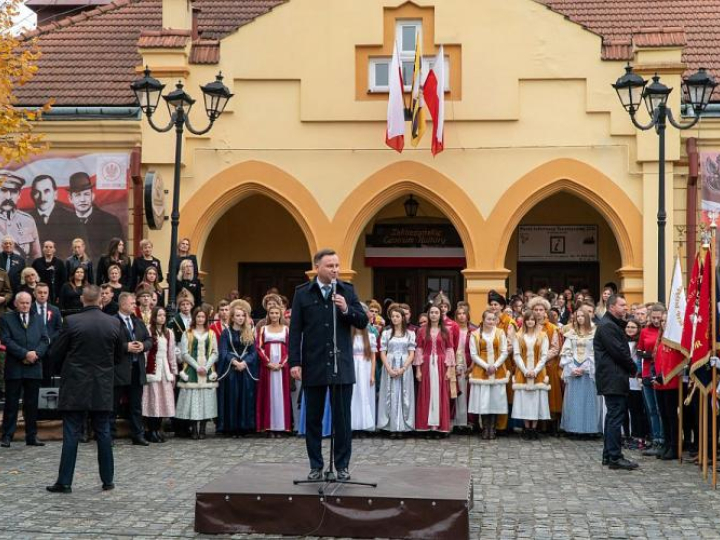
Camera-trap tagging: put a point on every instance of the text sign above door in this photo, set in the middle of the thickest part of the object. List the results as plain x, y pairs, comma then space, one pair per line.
558, 243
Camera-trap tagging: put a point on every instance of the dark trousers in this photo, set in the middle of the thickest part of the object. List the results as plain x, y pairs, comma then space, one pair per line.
30, 389
690, 423
617, 406
73, 424
638, 419
133, 392
340, 399
667, 401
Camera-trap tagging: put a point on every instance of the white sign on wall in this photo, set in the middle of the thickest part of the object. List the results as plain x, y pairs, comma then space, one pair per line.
558, 243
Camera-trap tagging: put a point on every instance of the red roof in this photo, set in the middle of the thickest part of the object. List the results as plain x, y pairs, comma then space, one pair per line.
90, 58
617, 20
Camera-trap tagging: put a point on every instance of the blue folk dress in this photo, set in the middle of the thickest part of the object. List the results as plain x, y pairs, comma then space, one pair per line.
236, 391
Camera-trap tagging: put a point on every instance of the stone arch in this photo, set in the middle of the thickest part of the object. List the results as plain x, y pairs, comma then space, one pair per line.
581, 180
221, 192
392, 182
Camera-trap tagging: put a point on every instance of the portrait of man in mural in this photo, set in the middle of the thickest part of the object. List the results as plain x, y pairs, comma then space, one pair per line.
97, 226
53, 219
14, 222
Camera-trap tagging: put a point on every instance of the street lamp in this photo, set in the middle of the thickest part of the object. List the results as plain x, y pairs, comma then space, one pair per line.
148, 91
632, 89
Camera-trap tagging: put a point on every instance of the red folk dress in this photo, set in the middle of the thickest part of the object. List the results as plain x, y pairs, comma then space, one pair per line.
435, 356
273, 411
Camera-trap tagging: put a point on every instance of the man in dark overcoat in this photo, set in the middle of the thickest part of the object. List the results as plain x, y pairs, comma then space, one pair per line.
26, 341
88, 347
312, 360
613, 368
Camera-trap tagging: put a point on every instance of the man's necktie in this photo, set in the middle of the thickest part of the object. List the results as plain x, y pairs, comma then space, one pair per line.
326, 291
129, 324
7, 263
24, 319
42, 314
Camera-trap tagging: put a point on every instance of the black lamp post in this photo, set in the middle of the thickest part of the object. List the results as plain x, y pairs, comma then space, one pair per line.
632, 89
148, 91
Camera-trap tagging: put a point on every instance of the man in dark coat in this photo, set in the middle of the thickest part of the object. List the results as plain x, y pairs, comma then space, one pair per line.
613, 368
89, 346
312, 362
51, 270
97, 226
51, 319
130, 374
11, 262
53, 220
26, 341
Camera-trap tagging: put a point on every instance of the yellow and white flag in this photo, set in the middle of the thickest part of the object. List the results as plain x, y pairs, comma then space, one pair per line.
672, 337
417, 103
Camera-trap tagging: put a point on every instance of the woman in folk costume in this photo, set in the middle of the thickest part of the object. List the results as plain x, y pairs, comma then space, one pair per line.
396, 399
506, 323
197, 401
273, 392
238, 369
540, 307
489, 376
580, 409
530, 380
158, 400
462, 364
443, 302
362, 406
435, 372
144, 309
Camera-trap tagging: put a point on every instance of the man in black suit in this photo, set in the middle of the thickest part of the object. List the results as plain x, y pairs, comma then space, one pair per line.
51, 319
53, 220
51, 270
89, 346
312, 362
130, 373
11, 262
26, 342
98, 226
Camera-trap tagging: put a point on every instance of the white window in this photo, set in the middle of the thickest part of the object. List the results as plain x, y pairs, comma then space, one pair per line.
407, 33
379, 68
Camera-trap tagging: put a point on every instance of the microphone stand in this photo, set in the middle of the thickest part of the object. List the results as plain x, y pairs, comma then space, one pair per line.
329, 477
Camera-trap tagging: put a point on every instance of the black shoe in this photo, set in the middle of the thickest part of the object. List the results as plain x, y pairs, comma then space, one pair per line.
343, 475
108, 487
315, 474
152, 437
140, 441
605, 461
34, 442
654, 451
661, 452
669, 455
5, 442
59, 488
622, 463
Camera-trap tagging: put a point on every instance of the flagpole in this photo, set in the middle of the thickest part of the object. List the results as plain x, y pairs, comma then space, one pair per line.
681, 375
713, 346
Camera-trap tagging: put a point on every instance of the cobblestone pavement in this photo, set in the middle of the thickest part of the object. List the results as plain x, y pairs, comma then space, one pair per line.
554, 488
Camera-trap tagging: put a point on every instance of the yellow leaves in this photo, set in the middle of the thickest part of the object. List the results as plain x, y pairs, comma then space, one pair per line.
18, 65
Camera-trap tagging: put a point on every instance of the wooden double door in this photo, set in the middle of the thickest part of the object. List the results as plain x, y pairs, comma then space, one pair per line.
254, 279
417, 286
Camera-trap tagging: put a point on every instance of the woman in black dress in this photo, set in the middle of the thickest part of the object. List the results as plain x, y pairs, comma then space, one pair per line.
115, 256
187, 280
70, 293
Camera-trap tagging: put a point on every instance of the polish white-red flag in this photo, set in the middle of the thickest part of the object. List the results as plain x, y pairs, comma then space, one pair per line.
395, 134
434, 95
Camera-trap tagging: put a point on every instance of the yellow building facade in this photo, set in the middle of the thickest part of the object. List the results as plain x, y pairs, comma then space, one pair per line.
534, 136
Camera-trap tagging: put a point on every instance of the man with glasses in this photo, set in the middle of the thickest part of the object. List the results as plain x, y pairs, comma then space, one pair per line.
13, 222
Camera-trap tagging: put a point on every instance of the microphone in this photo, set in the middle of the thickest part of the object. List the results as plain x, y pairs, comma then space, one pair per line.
333, 284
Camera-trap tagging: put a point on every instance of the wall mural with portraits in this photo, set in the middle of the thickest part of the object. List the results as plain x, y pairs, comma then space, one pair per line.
63, 196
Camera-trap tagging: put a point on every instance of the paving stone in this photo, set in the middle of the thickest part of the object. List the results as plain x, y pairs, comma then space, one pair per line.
552, 489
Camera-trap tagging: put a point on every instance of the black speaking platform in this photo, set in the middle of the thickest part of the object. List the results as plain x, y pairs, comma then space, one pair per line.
409, 502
